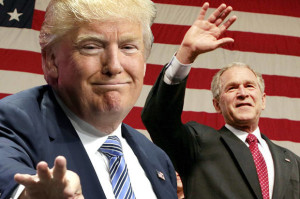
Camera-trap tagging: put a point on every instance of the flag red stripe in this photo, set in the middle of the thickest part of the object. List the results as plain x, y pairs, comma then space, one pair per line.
264, 43
277, 7
19, 60
275, 129
275, 85
2, 95
243, 41
38, 18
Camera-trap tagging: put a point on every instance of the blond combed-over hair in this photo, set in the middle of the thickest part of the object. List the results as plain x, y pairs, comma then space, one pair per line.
63, 16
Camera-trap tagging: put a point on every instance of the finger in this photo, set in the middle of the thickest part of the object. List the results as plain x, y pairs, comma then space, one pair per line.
60, 167
214, 16
223, 15
203, 11
227, 24
79, 197
26, 179
43, 171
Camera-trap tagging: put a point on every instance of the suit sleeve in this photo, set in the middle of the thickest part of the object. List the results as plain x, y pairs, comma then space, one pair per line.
15, 149
162, 117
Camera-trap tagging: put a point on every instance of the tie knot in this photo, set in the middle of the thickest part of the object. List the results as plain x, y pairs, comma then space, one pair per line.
251, 139
111, 147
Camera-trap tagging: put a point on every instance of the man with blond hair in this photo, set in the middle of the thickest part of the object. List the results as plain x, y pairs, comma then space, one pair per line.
67, 139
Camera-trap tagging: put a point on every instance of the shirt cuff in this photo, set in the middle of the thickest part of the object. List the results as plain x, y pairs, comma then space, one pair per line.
16, 194
176, 71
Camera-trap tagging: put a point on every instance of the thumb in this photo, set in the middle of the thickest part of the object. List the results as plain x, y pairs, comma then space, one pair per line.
224, 41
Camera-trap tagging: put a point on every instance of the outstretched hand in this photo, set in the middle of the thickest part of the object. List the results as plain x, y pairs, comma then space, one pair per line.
204, 35
58, 182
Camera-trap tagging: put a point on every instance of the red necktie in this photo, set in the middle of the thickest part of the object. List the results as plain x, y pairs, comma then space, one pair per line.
260, 165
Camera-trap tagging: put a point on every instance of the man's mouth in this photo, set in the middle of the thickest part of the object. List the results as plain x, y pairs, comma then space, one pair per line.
243, 104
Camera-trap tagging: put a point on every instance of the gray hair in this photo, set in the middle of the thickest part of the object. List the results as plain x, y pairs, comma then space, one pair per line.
216, 84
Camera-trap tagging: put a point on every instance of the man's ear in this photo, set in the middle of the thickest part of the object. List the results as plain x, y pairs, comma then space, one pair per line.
217, 105
145, 67
51, 68
264, 98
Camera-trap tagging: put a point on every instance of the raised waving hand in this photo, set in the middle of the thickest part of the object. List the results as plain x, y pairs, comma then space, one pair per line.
204, 35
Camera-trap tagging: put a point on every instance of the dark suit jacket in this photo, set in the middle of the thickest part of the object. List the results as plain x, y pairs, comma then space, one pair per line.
212, 163
33, 128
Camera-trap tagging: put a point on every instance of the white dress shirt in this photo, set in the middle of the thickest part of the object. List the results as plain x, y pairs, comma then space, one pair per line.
176, 72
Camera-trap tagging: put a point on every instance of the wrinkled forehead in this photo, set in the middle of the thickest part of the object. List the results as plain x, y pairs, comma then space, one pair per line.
238, 75
120, 31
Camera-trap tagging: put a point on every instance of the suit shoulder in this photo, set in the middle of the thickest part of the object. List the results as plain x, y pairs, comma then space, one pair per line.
286, 151
200, 128
25, 98
290, 153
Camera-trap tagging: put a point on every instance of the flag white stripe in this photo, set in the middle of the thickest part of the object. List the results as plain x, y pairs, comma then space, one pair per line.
247, 22
12, 81
21, 39
269, 64
41, 4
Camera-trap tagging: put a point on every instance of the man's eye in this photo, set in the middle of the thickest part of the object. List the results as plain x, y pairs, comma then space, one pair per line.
129, 49
231, 88
90, 49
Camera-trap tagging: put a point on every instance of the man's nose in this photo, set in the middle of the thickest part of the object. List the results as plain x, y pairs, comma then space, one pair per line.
111, 62
242, 92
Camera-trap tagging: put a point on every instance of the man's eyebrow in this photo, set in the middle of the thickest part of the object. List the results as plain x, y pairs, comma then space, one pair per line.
102, 39
232, 83
129, 38
82, 38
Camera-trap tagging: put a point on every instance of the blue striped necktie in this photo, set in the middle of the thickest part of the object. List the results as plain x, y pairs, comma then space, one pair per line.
117, 168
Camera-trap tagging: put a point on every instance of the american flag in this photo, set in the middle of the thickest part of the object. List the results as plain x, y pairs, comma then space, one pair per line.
266, 34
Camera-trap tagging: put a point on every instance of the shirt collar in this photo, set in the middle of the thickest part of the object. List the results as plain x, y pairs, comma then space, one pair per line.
242, 135
90, 137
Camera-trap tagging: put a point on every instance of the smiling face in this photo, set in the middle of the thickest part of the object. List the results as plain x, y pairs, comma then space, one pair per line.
241, 100
98, 71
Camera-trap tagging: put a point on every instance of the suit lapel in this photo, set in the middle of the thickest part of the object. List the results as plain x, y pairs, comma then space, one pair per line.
282, 168
66, 142
243, 157
148, 165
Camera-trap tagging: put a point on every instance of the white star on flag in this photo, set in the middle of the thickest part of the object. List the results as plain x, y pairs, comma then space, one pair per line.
14, 15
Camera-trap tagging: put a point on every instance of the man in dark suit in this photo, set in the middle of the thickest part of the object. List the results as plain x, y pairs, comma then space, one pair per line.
56, 140
218, 163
